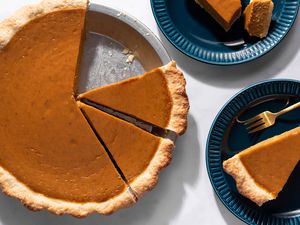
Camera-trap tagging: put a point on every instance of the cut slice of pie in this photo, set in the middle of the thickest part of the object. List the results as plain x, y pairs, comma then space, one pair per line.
225, 12
49, 155
262, 170
157, 97
258, 16
140, 155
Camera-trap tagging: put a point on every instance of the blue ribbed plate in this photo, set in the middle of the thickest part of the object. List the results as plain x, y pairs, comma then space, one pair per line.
195, 33
227, 137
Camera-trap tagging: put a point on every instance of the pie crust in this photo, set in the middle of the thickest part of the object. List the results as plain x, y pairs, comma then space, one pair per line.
149, 178
245, 184
258, 16
180, 103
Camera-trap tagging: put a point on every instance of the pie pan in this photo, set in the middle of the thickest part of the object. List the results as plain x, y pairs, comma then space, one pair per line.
195, 33
108, 33
227, 137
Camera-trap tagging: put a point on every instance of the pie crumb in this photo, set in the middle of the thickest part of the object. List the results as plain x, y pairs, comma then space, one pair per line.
130, 59
126, 51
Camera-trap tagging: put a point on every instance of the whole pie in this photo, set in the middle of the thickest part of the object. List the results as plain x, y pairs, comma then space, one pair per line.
51, 156
262, 170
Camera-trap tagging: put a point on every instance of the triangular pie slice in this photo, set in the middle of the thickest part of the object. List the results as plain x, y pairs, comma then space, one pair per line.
49, 155
140, 155
157, 97
262, 170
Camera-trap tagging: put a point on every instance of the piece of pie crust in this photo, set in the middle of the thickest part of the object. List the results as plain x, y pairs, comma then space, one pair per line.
258, 16
225, 12
49, 156
262, 170
139, 154
157, 97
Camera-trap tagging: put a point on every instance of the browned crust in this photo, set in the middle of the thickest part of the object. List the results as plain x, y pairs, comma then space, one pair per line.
149, 178
9, 184
180, 103
35, 201
245, 184
258, 25
10, 26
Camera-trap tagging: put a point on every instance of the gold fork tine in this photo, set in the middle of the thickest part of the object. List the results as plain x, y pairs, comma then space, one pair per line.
261, 127
254, 119
256, 124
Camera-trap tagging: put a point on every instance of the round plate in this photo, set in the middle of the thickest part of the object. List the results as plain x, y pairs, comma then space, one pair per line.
195, 33
228, 137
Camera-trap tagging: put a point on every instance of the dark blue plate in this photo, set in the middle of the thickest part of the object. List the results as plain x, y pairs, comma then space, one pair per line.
227, 137
195, 33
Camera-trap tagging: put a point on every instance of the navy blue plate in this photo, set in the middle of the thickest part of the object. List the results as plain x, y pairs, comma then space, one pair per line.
195, 33
227, 137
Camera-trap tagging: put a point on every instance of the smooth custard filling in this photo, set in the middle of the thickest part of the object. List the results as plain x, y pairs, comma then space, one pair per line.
128, 144
46, 142
152, 103
271, 162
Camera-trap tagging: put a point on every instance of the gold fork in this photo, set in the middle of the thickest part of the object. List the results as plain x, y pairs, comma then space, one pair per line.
266, 119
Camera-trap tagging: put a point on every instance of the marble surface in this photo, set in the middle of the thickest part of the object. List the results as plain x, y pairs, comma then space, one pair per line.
184, 194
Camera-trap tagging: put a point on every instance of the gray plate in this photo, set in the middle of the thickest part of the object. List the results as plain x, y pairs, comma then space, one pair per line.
108, 33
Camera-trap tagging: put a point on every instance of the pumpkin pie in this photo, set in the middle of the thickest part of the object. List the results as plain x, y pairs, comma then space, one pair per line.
262, 170
49, 155
225, 12
258, 16
157, 97
130, 145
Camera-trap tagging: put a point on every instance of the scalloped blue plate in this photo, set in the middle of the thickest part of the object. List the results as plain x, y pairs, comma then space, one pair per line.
195, 33
227, 137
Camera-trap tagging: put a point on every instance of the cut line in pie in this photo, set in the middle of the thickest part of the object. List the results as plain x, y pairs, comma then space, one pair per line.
162, 101
50, 157
129, 145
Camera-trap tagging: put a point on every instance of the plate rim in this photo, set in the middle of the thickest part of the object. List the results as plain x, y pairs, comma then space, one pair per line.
210, 132
214, 62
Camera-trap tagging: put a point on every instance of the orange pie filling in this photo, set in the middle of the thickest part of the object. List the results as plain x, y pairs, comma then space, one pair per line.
130, 145
50, 156
144, 103
45, 141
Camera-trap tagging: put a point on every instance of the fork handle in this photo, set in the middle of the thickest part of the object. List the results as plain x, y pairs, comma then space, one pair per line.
288, 109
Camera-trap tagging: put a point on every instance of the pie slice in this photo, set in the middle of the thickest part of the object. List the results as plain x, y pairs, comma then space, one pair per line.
49, 155
139, 154
258, 16
157, 97
262, 170
225, 12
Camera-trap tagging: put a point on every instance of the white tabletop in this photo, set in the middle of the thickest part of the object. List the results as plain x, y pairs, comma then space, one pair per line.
184, 194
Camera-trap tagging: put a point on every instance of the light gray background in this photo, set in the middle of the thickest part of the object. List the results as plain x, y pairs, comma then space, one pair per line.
184, 194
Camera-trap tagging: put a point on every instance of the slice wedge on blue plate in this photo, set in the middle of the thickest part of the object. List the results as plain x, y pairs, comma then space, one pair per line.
195, 33
228, 137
